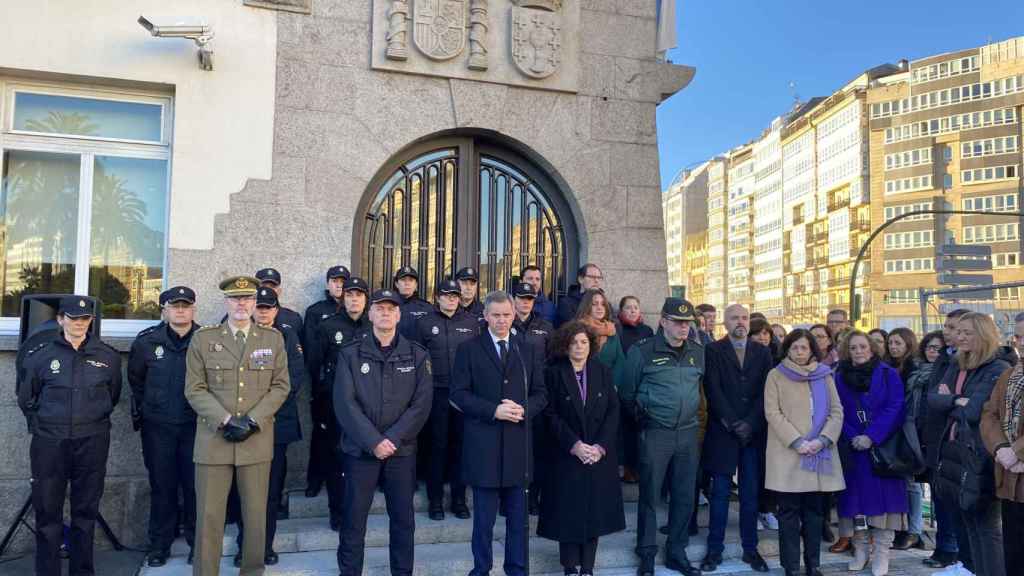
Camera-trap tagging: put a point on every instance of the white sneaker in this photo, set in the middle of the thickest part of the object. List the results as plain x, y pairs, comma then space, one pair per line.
769, 521
954, 570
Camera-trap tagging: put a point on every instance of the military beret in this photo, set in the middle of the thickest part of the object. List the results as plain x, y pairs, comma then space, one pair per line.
356, 283
77, 306
386, 296
467, 273
678, 309
239, 286
338, 272
448, 287
178, 294
269, 275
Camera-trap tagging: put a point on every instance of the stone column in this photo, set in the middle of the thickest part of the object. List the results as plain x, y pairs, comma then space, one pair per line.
479, 23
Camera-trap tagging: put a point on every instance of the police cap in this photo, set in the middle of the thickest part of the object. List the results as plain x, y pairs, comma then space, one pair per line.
448, 287
269, 275
338, 272
407, 271
467, 273
177, 294
77, 306
678, 309
386, 296
523, 290
239, 286
266, 297
357, 283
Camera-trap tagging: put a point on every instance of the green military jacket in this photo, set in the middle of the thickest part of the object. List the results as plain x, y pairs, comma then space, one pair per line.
663, 387
222, 380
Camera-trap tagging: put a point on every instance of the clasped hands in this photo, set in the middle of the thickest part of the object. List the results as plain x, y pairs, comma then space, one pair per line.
1007, 458
239, 428
862, 442
509, 411
587, 453
810, 447
384, 449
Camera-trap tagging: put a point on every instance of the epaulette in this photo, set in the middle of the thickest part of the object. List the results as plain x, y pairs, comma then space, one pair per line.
36, 348
270, 328
417, 346
109, 347
208, 327
150, 330
352, 341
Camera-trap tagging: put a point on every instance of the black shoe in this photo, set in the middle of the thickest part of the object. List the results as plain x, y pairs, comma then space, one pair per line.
335, 524
460, 510
190, 556
156, 558
646, 567
755, 561
270, 558
710, 562
436, 511
312, 490
238, 560
814, 572
826, 534
683, 566
940, 559
906, 541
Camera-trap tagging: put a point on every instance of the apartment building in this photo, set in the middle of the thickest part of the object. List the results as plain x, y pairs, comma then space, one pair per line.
716, 272
740, 225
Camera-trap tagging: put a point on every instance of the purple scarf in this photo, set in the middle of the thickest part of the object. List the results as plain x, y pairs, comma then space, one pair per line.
821, 406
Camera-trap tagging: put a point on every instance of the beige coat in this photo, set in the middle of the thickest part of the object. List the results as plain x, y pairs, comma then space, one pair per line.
222, 381
787, 407
1009, 486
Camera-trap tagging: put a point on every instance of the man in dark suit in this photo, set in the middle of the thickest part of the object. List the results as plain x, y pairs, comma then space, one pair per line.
736, 372
498, 384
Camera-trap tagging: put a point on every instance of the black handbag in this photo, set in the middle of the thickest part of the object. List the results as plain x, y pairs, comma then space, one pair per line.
965, 473
899, 455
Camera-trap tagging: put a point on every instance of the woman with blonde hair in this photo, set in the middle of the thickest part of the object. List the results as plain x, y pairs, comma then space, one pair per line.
958, 401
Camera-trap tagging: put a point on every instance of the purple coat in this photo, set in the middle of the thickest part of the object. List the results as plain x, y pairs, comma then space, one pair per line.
867, 494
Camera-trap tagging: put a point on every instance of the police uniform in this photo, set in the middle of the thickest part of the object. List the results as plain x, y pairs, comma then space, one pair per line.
285, 315
67, 395
380, 393
441, 335
286, 430
333, 334
156, 374
663, 387
413, 307
236, 383
316, 474
475, 308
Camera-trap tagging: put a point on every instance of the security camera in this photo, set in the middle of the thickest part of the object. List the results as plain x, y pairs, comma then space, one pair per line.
201, 34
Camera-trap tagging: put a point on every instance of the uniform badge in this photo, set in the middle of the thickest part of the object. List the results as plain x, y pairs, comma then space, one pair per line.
513, 331
322, 316
159, 352
365, 369
81, 303
218, 347
435, 330
338, 337
430, 371
691, 360
55, 366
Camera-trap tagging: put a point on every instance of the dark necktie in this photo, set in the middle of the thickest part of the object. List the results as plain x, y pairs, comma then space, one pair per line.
502, 351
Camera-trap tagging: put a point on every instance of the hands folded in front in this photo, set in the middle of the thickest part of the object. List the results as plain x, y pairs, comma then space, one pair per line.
239, 428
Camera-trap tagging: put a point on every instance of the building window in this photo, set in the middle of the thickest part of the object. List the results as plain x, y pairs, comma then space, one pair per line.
84, 197
990, 173
988, 233
1005, 260
994, 203
909, 265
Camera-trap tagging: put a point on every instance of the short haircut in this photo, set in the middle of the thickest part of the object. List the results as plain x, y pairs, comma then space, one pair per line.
758, 325
838, 311
496, 297
844, 345
529, 267
703, 308
921, 348
586, 268
563, 337
797, 334
957, 313
755, 315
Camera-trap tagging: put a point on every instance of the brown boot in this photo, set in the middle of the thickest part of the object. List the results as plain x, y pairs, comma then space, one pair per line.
842, 545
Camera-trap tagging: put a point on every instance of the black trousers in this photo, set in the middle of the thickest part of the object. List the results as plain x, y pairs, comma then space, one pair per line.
324, 463
801, 516
1013, 534
575, 555
398, 477
278, 471
446, 427
82, 462
167, 453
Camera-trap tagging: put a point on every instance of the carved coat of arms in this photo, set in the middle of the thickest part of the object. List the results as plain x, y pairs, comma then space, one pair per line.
439, 27
537, 37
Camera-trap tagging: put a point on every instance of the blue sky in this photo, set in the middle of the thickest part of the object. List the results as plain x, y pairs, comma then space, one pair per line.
748, 51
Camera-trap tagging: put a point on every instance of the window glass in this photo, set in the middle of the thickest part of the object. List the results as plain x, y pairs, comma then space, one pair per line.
89, 117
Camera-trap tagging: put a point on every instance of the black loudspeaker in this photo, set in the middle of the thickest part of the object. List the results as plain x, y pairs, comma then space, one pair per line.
39, 314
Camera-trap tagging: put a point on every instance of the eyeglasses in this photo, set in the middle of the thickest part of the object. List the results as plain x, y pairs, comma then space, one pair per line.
933, 348
594, 277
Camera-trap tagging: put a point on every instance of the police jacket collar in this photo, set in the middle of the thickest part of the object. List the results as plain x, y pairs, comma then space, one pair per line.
60, 340
179, 341
661, 345
459, 312
371, 347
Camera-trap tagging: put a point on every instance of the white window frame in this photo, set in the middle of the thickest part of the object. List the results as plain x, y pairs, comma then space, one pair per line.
87, 148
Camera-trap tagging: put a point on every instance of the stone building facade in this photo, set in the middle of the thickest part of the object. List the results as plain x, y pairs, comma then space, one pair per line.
519, 132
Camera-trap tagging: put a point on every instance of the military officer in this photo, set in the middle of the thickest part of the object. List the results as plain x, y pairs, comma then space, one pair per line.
333, 303
382, 394
406, 282
333, 334
441, 332
271, 278
286, 421
237, 379
156, 374
67, 389
469, 298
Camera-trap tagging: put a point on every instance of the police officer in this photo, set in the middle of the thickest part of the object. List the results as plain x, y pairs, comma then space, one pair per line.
271, 278
663, 385
237, 379
67, 389
469, 300
382, 395
406, 282
333, 303
335, 332
156, 374
286, 421
441, 332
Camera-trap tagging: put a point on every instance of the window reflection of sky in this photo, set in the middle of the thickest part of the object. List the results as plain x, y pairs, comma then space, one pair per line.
88, 117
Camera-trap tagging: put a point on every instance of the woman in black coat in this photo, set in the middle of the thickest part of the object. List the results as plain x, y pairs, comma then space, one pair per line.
583, 499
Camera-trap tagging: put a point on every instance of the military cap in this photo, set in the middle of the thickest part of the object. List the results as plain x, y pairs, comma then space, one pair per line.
467, 273
448, 287
407, 271
386, 296
678, 309
77, 306
269, 275
239, 286
266, 297
357, 283
178, 294
338, 272
523, 290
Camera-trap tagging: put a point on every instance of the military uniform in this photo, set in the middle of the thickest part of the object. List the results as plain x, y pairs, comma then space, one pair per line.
156, 374
67, 396
380, 393
244, 382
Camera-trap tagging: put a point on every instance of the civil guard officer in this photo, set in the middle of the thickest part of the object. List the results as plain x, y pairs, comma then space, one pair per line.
271, 278
382, 395
237, 379
286, 421
333, 303
333, 333
469, 298
67, 389
156, 374
663, 385
441, 332
406, 282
